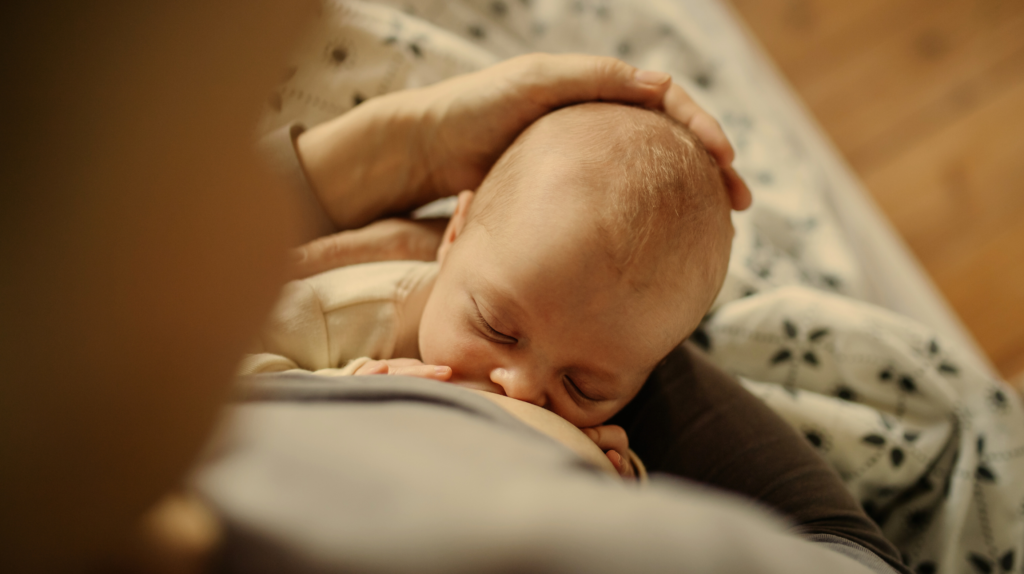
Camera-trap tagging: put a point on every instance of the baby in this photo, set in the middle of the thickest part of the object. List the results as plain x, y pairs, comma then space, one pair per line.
594, 246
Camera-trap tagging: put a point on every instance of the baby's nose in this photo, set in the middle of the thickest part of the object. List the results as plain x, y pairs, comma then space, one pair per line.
518, 386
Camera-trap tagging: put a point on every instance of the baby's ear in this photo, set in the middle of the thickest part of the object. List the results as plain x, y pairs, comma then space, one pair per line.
455, 224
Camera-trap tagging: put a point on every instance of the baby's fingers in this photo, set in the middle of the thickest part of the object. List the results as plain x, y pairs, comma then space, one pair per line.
372, 368
621, 463
609, 437
435, 372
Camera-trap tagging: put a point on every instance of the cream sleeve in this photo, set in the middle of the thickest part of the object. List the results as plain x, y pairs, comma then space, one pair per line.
328, 320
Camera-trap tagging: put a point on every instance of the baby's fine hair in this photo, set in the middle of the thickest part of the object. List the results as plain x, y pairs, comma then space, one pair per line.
662, 189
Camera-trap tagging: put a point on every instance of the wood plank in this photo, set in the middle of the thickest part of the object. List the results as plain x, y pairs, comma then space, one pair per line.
949, 192
870, 69
926, 98
987, 289
943, 61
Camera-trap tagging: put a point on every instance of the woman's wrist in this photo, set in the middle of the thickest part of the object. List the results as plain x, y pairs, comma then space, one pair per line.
368, 162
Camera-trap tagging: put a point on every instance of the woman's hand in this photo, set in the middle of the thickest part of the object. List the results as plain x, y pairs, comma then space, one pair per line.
469, 133
473, 118
401, 150
385, 240
408, 367
613, 441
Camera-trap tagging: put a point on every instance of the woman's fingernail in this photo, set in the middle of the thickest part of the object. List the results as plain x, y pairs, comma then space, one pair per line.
297, 255
442, 370
651, 77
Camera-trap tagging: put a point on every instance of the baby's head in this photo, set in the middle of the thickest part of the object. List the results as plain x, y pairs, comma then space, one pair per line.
594, 246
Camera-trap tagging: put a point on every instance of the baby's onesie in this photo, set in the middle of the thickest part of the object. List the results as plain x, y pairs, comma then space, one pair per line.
328, 320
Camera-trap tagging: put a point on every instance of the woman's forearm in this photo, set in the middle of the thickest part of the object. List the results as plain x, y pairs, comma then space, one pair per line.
368, 163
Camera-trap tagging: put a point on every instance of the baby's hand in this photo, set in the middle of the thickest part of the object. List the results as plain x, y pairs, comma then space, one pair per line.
613, 441
408, 367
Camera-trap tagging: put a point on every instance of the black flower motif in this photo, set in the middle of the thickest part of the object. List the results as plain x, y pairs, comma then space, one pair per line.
1007, 560
896, 456
339, 54
874, 439
413, 44
818, 438
896, 453
831, 282
904, 381
919, 519
934, 354
998, 399
703, 79
985, 473
797, 350
923, 485
980, 563
846, 393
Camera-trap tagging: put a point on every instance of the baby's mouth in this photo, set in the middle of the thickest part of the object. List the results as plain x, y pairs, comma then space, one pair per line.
486, 386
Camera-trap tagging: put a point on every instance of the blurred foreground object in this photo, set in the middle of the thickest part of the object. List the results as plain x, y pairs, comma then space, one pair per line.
137, 228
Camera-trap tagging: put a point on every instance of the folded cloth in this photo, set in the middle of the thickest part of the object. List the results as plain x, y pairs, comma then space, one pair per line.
361, 474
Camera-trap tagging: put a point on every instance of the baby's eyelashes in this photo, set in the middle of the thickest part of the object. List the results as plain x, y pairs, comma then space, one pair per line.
576, 392
494, 334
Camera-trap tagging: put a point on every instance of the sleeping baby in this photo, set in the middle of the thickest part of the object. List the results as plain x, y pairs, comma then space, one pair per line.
594, 246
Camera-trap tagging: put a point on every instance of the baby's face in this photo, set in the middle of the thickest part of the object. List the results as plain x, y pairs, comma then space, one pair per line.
532, 306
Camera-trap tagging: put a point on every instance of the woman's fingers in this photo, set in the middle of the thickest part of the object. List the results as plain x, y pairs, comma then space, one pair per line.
406, 367
681, 107
373, 368
552, 81
337, 250
739, 193
710, 133
384, 240
438, 373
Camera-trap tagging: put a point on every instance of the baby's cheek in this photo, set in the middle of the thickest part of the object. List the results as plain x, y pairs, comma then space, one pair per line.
447, 347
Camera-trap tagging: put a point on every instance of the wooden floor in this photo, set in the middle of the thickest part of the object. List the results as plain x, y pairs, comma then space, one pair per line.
926, 100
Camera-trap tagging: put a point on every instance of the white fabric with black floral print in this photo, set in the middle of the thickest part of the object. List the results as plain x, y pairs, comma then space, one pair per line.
932, 447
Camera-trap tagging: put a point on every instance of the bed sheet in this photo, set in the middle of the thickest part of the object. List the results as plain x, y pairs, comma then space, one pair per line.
824, 314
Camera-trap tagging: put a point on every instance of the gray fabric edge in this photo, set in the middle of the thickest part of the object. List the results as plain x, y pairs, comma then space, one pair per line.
852, 550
